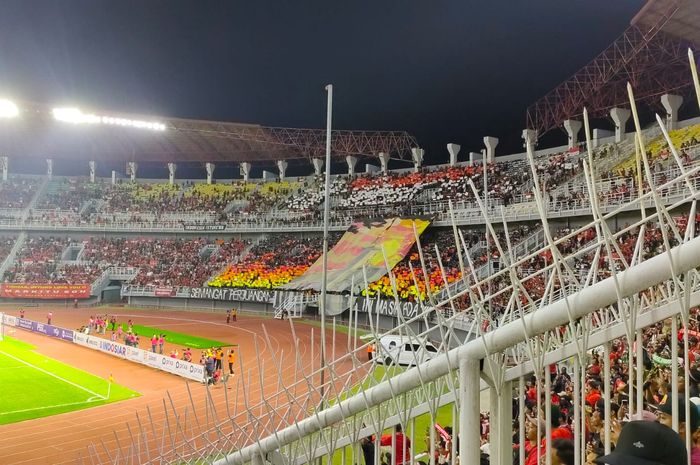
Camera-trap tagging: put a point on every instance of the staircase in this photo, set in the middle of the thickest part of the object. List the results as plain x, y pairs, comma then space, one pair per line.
9, 260
113, 273
293, 304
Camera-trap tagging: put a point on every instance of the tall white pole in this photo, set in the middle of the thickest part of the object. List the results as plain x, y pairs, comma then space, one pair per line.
326, 214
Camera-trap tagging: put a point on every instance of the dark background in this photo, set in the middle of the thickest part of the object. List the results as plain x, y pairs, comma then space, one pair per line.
445, 71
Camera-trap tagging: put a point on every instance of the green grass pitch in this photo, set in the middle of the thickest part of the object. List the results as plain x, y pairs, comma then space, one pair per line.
35, 386
180, 339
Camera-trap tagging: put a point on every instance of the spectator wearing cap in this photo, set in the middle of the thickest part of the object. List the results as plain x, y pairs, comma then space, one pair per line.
647, 443
531, 435
665, 418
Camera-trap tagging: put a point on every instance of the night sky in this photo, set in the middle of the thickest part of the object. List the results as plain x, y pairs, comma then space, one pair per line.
445, 71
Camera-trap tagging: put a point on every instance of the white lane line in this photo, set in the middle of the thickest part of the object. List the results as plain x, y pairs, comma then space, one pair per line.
52, 374
51, 406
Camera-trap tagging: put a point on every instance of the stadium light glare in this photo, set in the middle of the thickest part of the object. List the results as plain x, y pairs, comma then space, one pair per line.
8, 109
76, 116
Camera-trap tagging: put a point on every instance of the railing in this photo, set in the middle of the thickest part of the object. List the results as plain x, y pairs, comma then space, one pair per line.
113, 273
132, 290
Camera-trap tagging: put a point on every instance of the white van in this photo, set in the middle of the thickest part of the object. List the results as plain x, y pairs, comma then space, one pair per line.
403, 350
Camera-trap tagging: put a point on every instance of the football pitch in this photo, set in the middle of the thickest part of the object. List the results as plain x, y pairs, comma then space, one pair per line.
35, 386
179, 339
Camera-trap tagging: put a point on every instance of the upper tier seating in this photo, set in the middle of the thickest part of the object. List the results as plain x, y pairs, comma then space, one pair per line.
658, 151
70, 194
17, 192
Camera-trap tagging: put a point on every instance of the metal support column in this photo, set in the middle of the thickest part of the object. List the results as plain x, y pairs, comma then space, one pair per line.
469, 425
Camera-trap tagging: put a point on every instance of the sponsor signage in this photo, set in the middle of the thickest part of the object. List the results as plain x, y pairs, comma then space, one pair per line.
244, 295
26, 324
44, 291
34, 326
164, 291
9, 320
160, 362
204, 227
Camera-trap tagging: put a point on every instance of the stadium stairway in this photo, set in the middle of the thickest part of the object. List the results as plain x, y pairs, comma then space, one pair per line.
37, 195
10, 259
293, 304
113, 273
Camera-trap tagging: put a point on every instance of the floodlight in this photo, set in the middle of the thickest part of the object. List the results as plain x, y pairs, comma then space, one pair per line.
8, 109
76, 116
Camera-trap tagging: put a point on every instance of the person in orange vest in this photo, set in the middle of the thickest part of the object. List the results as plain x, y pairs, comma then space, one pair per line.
231, 358
234, 314
370, 351
219, 358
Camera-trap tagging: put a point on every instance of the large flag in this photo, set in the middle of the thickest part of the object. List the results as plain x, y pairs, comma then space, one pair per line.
363, 245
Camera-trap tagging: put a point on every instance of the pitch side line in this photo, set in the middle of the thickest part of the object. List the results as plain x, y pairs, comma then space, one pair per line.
89, 401
54, 375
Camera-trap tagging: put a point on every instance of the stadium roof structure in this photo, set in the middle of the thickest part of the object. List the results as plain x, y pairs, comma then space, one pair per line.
652, 54
37, 133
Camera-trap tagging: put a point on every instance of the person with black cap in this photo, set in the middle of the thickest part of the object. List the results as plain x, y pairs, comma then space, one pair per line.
664, 415
647, 443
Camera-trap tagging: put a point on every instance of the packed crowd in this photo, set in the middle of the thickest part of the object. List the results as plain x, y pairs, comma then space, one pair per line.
657, 150
70, 194
440, 241
17, 193
273, 262
172, 262
38, 261
657, 401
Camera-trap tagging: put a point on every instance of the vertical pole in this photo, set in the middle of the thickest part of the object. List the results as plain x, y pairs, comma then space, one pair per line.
521, 420
606, 395
413, 432
694, 73
631, 378
640, 374
548, 414
326, 214
674, 371
505, 430
5, 163
577, 411
495, 418
469, 427
582, 438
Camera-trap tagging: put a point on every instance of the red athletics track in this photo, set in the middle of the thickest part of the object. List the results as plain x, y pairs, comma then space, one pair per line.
62, 439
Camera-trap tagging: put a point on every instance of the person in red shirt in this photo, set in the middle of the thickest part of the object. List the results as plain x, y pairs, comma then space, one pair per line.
592, 393
402, 454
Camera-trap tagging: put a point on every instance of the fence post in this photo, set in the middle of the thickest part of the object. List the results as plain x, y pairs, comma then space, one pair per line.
469, 424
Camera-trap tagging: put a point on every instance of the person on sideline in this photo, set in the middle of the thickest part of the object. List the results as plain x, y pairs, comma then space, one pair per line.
49, 317
231, 359
154, 343
403, 454
228, 317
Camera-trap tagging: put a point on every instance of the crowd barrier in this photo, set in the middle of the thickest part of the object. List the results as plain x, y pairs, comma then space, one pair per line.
171, 365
